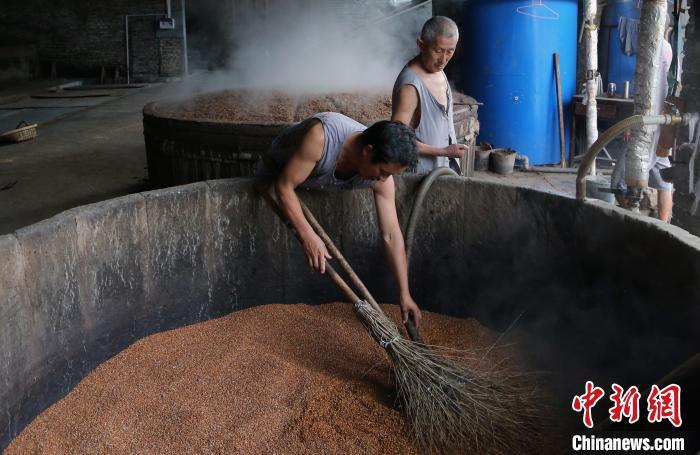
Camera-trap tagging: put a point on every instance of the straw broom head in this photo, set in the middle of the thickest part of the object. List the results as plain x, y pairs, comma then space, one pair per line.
449, 407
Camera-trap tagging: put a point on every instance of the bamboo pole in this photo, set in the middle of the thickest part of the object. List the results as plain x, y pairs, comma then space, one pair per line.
560, 112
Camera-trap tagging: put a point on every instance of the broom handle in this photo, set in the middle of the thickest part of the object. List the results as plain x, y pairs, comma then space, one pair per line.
335, 252
337, 279
340, 282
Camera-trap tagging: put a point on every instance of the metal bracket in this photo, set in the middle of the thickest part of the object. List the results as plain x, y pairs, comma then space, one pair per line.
590, 25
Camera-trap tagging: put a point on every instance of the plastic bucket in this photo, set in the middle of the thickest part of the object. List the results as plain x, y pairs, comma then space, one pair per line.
502, 161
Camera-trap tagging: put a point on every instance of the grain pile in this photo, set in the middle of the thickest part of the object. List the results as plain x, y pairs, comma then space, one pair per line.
248, 106
271, 379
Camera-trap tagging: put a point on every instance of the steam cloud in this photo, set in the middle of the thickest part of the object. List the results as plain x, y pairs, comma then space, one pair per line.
318, 49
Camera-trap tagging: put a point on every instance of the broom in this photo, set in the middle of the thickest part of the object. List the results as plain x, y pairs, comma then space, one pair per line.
449, 408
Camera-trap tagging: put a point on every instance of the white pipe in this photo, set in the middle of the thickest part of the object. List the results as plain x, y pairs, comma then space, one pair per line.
168, 9
651, 33
126, 34
591, 7
185, 63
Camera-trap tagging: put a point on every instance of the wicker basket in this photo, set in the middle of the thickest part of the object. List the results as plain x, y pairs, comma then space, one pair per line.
23, 132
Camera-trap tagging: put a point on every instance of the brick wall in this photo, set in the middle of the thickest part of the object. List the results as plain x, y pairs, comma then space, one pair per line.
170, 56
81, 36
17, 61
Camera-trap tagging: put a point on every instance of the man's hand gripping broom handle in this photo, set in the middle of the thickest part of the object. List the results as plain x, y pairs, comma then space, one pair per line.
264, 191
335, 252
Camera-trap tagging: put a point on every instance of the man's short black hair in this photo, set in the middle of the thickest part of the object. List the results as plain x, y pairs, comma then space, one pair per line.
392, 142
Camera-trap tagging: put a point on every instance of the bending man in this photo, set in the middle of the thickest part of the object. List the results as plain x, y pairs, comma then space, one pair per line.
332, 152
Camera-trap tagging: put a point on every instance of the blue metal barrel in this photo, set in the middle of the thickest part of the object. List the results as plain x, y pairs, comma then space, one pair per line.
620, 66
509, 51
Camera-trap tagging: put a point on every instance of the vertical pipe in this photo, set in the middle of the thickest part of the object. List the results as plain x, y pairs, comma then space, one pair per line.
185, 64
591, 7
168, 9
126, 33
651, 32
572, 141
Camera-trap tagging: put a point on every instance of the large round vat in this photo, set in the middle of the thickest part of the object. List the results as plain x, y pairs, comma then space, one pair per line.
509, 66
577, 281
224, 134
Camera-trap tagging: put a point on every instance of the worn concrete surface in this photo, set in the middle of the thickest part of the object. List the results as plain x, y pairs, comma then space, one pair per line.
15, 89
90, 154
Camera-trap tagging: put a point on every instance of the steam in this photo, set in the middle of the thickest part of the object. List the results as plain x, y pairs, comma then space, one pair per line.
317, 49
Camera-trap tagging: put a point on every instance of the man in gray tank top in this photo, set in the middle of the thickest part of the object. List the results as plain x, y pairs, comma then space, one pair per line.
422, 98
332, 152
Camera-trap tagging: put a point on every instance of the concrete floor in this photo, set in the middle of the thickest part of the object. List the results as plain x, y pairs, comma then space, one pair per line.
91, 153
95, 151
563, 183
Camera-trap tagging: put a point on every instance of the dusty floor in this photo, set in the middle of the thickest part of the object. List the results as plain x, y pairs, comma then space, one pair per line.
87, 150
271, 379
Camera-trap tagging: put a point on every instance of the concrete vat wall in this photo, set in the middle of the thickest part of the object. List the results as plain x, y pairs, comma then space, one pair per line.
79, 287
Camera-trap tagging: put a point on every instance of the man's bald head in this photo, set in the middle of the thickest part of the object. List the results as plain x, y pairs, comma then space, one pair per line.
439, 26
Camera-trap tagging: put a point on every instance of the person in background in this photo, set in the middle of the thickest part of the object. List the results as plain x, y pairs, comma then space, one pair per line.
658, 151
332, 152
422, 98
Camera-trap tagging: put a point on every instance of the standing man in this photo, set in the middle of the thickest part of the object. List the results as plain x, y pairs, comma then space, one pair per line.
422, 98
332, 152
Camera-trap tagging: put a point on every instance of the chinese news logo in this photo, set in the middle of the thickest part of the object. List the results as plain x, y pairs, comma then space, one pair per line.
662, 404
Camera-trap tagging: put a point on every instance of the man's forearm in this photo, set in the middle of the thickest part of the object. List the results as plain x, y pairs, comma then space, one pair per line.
291, 208
396, 253
429, 150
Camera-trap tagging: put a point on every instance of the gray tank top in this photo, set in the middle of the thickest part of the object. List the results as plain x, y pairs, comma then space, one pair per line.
436, 126
336, 129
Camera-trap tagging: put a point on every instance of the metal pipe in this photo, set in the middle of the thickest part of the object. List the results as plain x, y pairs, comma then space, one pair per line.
651, 35
168, 9
590, 12
185, 63
525, 160
126, 34
610, 134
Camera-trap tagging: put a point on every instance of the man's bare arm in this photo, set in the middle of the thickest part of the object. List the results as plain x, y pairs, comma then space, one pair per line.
297, 169
404, 111
384, 199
